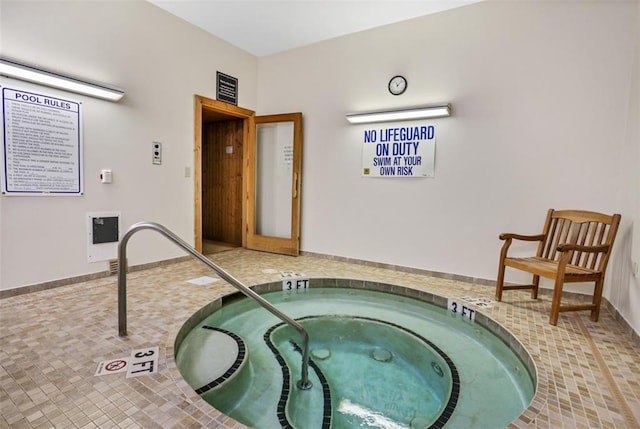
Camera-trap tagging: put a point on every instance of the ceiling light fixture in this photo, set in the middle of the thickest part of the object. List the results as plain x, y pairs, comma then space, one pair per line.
399, 115
28, 73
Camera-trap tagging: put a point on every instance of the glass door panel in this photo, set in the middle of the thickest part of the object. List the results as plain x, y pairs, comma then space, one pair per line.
274, 176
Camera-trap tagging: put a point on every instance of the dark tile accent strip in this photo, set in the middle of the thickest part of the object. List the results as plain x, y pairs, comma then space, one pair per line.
326, 391
539, 374
455, 377
448, 409
236, 365
286, 381
442, 419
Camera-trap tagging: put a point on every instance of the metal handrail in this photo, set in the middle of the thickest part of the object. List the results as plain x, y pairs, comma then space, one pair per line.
304, 383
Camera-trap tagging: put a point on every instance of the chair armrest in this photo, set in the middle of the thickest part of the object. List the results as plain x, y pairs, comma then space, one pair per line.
578, 248
509, 236
508, 239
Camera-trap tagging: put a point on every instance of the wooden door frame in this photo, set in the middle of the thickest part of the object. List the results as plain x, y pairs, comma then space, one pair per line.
284, 246
224, 110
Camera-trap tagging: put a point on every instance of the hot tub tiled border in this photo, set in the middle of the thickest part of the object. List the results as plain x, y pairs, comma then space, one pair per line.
233, 369
538, 372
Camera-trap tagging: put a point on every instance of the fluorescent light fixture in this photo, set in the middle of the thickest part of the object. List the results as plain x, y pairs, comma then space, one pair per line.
399, 115
11, 68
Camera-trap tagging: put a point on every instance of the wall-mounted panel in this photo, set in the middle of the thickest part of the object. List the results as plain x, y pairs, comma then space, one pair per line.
103, 236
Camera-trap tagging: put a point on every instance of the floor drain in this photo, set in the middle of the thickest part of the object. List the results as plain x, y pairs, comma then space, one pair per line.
381, 355
321, 354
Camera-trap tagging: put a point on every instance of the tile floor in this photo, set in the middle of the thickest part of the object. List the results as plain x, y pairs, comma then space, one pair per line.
52, 341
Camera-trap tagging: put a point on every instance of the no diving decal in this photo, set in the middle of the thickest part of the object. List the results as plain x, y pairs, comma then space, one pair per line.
140, 362
112, 366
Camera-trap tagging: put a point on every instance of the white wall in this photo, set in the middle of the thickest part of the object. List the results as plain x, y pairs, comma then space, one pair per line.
626, 297
161, 62
541, 117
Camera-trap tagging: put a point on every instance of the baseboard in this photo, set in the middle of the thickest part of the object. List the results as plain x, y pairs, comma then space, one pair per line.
635, 337
38, 287
403, 269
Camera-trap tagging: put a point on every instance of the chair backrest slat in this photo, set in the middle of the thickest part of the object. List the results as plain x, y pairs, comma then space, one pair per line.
582, 228
545, 248
598, 234
562, 237
580, 237
590, 258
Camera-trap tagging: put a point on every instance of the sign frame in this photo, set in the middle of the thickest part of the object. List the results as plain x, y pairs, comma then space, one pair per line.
403, 150
42, 145
226, 88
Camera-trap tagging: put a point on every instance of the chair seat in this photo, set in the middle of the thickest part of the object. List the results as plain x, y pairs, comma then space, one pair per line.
549, 269
574, 246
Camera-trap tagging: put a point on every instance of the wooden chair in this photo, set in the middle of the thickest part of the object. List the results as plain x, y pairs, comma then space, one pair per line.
574, 246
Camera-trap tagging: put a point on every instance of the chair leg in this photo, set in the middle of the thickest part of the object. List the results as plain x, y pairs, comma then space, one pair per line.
555, 303
500, 280
501, 268
535, 283
597, 298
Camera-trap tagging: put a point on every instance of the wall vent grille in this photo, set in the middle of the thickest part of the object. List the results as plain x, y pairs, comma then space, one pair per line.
113, 267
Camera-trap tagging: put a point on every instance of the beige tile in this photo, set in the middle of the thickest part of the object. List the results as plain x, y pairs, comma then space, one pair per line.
52, 340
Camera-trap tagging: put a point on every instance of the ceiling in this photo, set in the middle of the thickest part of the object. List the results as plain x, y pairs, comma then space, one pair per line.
264, 27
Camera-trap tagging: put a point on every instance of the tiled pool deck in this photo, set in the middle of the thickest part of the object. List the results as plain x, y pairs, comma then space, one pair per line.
51, 342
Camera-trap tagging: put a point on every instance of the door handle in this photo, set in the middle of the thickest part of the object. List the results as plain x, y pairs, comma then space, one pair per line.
295, 185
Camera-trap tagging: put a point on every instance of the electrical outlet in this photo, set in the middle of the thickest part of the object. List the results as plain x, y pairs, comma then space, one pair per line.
156, 153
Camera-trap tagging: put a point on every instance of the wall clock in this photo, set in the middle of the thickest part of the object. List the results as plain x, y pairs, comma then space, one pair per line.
397, 85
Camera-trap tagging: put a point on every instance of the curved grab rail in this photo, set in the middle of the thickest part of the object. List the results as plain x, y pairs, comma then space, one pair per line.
304, 383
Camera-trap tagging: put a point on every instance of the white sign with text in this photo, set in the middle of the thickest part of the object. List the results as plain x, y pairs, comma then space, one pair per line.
42, 144
399, 151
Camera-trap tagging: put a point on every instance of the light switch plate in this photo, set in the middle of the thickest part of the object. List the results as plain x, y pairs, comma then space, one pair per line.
156, 153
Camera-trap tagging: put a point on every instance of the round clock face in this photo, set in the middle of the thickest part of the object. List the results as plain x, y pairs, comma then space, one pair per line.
397, 85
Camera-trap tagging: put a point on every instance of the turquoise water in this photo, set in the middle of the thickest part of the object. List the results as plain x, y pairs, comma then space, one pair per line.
360, 372
368, 390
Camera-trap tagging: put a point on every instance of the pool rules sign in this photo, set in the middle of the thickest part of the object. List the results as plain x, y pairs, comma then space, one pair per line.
41, 144
399, 151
